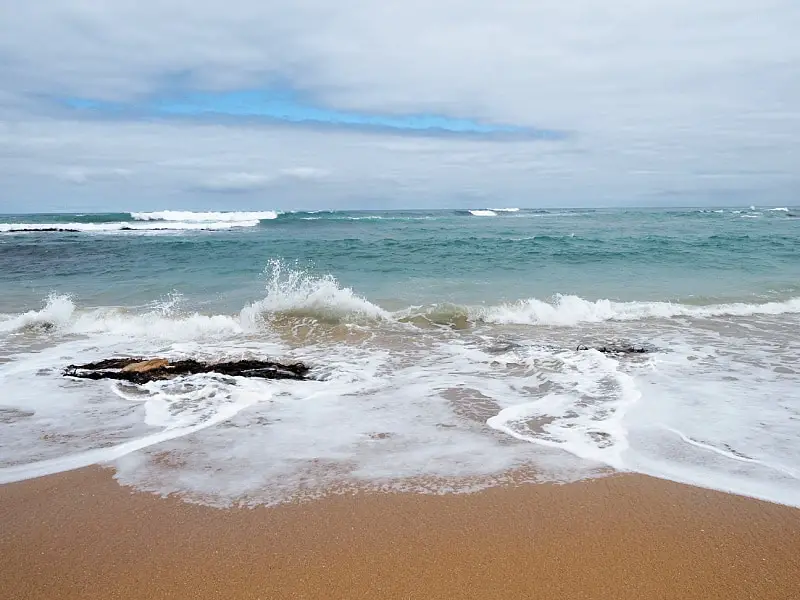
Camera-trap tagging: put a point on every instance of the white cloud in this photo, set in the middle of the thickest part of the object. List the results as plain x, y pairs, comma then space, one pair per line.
660, 97
82, 175
305, 173
234, 182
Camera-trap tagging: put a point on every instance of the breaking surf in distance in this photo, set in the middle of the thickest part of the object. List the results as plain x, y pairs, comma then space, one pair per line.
175, 221
204, 217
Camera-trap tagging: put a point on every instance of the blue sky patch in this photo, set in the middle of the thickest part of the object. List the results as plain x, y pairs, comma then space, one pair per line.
288, 107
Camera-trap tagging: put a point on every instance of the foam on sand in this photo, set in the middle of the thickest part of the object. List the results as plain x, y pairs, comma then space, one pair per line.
438, 406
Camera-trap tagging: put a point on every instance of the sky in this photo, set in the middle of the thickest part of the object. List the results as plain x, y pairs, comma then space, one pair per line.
312, 104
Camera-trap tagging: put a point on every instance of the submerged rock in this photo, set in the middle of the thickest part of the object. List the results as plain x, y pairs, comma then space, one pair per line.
620, 349
145, 366
142, 370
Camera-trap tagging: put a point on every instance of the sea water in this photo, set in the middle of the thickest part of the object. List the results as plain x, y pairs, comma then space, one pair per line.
443, 346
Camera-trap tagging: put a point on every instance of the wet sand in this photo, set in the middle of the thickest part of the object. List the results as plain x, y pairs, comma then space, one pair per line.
81, 535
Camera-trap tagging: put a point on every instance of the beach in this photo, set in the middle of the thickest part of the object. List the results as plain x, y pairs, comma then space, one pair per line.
82, 535
403, 301
470, 423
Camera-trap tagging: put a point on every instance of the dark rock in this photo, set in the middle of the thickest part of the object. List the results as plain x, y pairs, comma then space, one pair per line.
145, 366
141, 370
621, 349
44, 230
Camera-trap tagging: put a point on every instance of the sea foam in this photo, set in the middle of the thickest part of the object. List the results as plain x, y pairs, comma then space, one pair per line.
571, 310
205, 217
449, 408
56, 313
299, 293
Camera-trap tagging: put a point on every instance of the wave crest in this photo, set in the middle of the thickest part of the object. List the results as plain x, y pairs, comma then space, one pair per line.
296, 292
189, 216
56, 313
571, 310
60, 315
293, 293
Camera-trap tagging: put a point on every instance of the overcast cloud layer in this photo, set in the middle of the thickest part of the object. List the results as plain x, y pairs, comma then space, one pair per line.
582, 102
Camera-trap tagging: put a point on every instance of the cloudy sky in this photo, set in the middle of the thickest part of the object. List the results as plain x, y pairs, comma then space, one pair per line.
292, 104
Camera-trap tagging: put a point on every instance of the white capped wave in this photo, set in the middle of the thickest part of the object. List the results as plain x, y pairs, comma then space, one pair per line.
125, 226
57, 312
505, 210
60, 315
152, 325
296, 292
781, 209
292, 292
483, 213
572, 310
205, 217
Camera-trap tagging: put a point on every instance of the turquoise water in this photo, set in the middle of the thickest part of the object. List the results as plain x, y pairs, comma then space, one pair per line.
401, 258
443, 344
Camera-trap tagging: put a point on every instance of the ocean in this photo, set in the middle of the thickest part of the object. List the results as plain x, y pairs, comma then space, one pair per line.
444, 347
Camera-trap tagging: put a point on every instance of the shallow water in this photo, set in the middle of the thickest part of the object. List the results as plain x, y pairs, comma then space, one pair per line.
444, 344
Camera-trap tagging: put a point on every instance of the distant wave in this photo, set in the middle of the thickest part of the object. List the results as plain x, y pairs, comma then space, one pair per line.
490, 212
123, 226
204, 217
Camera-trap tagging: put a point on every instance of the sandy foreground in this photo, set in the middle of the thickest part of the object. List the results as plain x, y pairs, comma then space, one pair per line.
81, 535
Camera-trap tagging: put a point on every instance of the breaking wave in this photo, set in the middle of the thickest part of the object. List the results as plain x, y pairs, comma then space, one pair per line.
60, 315
57, 312
299, 293
571, 310
566, 311
482, 213
205, 217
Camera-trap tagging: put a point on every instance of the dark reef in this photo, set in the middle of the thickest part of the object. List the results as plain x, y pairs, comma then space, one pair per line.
142, 370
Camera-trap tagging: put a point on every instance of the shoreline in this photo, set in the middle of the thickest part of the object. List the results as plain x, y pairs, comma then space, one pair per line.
82, 535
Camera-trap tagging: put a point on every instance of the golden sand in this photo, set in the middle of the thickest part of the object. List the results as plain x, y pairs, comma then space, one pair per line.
81, 535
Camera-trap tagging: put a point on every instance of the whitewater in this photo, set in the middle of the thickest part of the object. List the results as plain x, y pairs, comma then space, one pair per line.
446, 349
